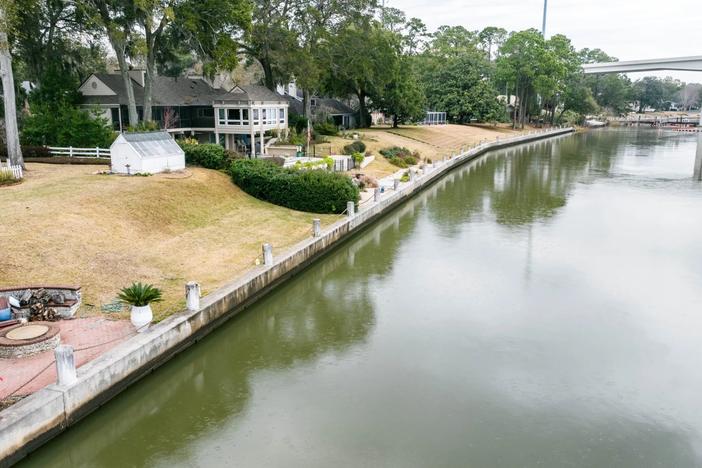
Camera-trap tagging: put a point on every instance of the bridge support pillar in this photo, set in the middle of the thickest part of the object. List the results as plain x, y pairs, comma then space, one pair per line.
698, 159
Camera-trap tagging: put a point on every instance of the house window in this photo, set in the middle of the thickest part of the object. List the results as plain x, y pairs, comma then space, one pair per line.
281, 115
205, 112
313, 102
233, 116
255, 115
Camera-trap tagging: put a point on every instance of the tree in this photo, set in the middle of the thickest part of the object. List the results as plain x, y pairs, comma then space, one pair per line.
611, 91
402, 97
118, 19
414, 36
649, 92
316, 24
689, 95
461, 87
271, 42
452, 41
66, 125
492, 38
14, 151
153, 15
358, 58
207, 30
522, 65
392, 19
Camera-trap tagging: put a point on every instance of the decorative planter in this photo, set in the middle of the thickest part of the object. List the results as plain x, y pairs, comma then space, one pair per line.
141, 317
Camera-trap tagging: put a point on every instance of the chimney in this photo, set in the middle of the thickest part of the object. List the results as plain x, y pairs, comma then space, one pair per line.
138, 76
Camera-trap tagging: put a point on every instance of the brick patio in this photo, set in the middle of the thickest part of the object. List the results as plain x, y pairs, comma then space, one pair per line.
98, 334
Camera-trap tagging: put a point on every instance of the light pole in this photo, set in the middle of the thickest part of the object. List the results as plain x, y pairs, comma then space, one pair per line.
543, 23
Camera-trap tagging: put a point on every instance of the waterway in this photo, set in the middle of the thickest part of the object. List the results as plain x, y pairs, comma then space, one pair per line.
541, 306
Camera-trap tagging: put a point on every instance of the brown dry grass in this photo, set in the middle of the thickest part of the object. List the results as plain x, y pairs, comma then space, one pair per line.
66, 225
432, 142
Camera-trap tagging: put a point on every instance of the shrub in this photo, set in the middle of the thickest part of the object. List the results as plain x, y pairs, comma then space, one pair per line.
357, 158
66, 126
29, 152
304, 190
400, 156
326, 128
210, 156
356, 147
297, 122
277, 160
139, 294
6, 178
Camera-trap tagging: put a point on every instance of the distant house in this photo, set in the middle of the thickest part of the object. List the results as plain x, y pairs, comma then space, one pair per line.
145, 152
238, 118
322, 108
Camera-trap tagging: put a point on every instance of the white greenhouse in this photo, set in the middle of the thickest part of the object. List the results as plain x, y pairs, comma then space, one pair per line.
146, 152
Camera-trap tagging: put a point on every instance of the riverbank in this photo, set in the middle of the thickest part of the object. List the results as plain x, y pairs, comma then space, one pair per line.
37, 418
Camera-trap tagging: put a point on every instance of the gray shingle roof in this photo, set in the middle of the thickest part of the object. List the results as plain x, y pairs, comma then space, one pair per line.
333, 106
250, 93
180, 91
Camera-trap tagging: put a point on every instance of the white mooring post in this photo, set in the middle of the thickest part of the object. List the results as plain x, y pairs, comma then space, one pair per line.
411, 175
350, 209
376, 195
267, 254
192, 295
65, 365
316, 227
395, 184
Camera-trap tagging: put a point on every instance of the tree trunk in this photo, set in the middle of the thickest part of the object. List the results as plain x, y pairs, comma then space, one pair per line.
152, 38
362, 109
14, 150
118, 47
267, 73
148, 87
306, 99
394, 121
517, 104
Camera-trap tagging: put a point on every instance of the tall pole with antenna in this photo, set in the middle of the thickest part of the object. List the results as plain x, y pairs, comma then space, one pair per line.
543, 23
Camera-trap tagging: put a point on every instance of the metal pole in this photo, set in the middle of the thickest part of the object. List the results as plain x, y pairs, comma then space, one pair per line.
543, 24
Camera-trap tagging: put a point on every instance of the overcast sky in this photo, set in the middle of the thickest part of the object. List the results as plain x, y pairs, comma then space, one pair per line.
626, 29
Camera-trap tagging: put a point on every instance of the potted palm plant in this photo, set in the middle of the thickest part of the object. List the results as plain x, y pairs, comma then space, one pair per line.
140, 296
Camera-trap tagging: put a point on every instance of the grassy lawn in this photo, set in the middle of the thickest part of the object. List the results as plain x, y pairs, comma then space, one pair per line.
70, 226
432, 142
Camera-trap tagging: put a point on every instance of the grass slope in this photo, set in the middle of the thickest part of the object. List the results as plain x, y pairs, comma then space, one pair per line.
68, 225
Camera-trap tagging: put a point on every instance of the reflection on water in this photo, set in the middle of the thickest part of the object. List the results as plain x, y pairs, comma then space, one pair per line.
536, 307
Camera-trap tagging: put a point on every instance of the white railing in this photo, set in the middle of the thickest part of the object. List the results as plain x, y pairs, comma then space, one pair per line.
15, 170
72, 152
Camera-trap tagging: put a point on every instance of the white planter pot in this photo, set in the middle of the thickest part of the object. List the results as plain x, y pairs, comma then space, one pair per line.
141, 316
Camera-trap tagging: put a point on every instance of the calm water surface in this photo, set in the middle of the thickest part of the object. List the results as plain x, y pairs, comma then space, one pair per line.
539, 307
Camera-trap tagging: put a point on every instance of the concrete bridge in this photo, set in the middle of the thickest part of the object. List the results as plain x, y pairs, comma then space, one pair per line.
693, 63
678, 63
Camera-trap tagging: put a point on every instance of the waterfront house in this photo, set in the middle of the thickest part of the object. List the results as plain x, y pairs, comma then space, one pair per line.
323, 108
240, 118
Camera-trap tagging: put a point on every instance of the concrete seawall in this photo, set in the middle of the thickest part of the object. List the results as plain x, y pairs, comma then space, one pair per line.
37, 418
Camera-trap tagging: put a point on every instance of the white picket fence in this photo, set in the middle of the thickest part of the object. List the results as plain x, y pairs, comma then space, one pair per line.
72, 152
15, 170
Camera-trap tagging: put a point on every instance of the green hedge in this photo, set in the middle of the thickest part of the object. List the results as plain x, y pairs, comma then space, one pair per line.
314, 191
210, 156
